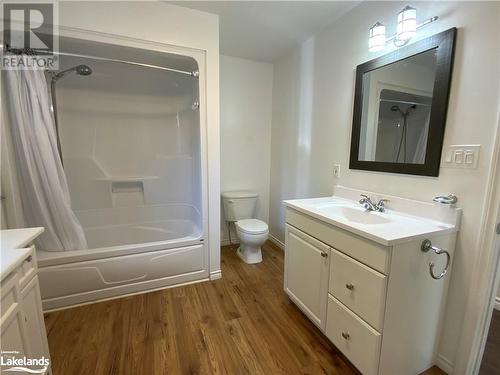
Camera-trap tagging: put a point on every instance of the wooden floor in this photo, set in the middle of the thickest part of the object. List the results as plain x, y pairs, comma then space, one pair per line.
490, 364
241, 324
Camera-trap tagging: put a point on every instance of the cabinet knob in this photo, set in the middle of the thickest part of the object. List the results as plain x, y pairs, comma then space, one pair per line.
346, 335
324, 254
349, 286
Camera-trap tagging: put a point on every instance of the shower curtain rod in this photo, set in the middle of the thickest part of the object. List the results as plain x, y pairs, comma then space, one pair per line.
404, 102
194, 73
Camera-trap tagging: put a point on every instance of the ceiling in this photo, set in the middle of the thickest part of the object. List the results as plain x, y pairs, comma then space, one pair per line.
265, 30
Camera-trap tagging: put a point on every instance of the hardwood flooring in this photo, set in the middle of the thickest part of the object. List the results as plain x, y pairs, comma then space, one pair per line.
490, 364
241, 324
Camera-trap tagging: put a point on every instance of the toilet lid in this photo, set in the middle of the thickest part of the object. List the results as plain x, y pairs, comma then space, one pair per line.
252, 226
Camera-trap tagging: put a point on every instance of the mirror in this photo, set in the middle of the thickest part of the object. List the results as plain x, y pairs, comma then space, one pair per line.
400, 108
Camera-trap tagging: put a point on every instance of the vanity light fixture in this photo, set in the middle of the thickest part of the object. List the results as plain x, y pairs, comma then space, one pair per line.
377, 37
406, 29
407, 25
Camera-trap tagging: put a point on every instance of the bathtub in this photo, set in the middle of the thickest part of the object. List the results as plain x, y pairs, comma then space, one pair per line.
155, 231
146, 248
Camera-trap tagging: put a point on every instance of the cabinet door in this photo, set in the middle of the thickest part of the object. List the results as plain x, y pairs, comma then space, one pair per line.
13, 340
31, 307
307, 262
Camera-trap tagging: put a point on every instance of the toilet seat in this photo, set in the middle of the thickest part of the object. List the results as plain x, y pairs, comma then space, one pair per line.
252, 226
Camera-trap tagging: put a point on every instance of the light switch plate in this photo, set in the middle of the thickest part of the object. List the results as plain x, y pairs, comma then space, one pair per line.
461, 156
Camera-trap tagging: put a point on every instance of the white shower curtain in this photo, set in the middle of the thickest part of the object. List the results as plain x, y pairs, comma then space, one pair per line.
421, 149
43, 185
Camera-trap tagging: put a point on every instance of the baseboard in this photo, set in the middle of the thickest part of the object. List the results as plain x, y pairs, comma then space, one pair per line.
225, 242
497, 303
273, 239
277, 241
214, 275
444, 364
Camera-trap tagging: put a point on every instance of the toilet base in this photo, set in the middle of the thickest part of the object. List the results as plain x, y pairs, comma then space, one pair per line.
250, 254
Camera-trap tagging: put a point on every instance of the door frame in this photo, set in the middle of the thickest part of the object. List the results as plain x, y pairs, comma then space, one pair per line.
9, 184
485, 276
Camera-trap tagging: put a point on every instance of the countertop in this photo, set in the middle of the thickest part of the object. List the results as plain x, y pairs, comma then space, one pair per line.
400, 228
13, 249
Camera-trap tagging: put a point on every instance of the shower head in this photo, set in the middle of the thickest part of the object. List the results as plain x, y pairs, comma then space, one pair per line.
81, 70
395, 108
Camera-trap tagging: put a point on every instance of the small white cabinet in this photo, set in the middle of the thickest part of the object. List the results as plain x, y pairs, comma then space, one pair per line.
22, 326
306, 274
376, 303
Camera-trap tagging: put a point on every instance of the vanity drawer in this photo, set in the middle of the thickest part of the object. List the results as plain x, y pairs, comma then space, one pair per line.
365, 251
353, 337
360, 288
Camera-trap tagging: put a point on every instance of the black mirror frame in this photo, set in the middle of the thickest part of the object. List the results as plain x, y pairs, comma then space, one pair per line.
444, 42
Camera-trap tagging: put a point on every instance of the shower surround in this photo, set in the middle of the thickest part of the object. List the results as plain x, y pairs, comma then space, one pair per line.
131, 138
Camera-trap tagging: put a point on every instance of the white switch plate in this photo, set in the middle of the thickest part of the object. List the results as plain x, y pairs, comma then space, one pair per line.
336, 170
461, 156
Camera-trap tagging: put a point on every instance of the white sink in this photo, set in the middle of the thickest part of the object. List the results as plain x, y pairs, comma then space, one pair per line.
403, 220
354, 214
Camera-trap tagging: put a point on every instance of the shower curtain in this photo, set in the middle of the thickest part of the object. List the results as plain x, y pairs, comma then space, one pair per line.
43, 185
421, 149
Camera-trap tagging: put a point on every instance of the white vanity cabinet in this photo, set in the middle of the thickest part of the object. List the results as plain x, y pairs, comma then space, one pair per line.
22, 325
377, 303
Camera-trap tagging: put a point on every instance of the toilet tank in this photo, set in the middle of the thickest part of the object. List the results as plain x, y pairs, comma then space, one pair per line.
239, 205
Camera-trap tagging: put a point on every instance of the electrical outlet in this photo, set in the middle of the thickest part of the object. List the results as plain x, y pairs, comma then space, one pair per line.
336, 170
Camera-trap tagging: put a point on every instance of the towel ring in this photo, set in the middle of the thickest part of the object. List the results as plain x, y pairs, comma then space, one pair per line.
426, 246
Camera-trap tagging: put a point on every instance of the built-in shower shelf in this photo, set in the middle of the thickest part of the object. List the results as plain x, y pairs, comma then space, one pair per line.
127, 178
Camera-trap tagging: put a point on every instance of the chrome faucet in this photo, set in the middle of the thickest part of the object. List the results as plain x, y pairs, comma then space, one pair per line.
367, 203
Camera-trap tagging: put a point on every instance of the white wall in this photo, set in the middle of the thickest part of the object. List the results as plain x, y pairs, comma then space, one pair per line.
246, 112
159, 22
312, 116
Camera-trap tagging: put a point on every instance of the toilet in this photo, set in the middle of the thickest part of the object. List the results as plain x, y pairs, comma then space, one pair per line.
239, 208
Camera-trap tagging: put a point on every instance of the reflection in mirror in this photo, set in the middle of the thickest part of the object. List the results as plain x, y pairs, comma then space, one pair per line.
395, 116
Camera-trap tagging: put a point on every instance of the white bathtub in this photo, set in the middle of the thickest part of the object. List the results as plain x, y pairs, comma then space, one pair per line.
166, 248
140, 233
